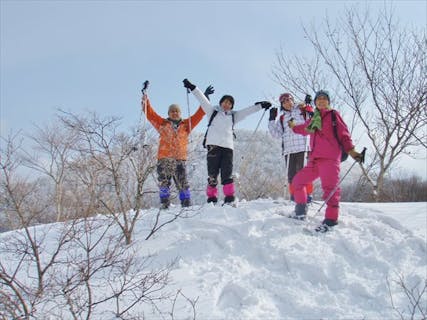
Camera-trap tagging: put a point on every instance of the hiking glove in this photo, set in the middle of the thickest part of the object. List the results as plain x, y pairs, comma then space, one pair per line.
273, 114
291, 123
309, 110
264, 104
209, 90
189, 85
356, 155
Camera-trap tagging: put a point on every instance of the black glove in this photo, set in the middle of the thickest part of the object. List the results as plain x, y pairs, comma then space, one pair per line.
359, 157
189, 85
264, 104
273, 114
209, 90
307, 99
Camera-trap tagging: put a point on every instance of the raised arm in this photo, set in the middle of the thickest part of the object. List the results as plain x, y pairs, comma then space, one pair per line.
196, 117
204, 102
243, 113
152, 116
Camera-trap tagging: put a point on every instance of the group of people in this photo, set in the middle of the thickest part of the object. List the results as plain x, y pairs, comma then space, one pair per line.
327, 136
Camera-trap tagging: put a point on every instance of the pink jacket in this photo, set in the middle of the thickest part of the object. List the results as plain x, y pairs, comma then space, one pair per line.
323, 142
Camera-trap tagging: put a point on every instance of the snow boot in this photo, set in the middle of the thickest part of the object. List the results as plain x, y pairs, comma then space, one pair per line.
326, 226
212, 193
229, 199
184, 196
300, 212
228, 190
214, 200
164, 197
185, 203
164, 203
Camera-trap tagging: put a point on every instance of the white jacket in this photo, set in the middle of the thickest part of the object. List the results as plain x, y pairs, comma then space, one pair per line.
220, 132
291, 142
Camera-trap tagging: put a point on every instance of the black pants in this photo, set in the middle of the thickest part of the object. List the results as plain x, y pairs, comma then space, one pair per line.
172, 168
219, 159
296, 163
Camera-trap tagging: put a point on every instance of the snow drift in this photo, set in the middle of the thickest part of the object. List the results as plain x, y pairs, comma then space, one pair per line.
251, 262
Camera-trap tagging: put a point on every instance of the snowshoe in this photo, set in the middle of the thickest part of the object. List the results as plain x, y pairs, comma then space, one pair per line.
300, 217
326, 226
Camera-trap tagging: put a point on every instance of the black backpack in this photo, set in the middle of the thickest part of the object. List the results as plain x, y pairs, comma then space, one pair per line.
209, 124
344, 155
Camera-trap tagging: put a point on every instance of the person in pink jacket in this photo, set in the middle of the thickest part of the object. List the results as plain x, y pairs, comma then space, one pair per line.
324, 161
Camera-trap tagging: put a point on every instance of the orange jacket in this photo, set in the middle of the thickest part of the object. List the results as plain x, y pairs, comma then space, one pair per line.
173, 142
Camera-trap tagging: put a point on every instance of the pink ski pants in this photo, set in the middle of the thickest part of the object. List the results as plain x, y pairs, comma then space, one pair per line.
329, 173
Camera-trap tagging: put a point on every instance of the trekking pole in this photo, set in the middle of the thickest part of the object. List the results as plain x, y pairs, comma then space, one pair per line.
143, 91
245, 159
188, 111
253, 133
341, 180
286, 191
259, 122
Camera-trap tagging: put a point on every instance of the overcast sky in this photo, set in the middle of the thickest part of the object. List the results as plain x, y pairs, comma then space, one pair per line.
95, 55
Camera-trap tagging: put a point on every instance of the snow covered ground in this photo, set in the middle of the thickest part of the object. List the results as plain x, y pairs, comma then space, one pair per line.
250, 262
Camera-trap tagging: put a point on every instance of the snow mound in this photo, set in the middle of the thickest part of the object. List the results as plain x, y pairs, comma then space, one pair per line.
251, 262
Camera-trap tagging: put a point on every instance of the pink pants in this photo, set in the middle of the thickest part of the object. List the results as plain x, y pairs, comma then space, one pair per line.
329, 173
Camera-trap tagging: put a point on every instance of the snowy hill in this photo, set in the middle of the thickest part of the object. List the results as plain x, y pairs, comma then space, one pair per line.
252, 263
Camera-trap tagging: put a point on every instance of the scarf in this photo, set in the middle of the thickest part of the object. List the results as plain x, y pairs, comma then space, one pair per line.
316, 121
175, 123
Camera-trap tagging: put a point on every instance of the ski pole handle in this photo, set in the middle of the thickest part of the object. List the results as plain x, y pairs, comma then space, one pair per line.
363, 155
145, 86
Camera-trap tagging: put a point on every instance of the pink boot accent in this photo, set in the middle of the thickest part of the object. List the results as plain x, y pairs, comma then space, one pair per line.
228, 189
211, 192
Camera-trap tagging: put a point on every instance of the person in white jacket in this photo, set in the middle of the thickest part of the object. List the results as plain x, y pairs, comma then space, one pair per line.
294, 145
220, 140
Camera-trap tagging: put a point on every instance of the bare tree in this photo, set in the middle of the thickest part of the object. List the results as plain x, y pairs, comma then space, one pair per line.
28, 248
109, 157
377, 69
414, 294
79, 268
259, 176
53, 146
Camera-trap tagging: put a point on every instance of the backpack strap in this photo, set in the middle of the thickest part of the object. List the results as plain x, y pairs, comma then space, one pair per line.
334, 125
212, 117
344, 155
209, 124
232, 126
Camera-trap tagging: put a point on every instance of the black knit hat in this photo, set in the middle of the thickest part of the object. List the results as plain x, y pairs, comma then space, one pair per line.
229, 98
322, 93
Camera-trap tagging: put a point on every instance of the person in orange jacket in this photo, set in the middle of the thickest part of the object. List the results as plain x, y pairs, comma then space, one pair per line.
172, 153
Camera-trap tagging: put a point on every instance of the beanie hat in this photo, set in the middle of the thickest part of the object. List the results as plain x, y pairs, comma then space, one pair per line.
229, 98
174, 106
322, 93
284, 96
